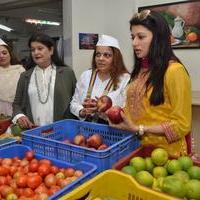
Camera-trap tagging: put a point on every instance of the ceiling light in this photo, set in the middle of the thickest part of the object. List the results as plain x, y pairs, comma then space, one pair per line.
5, 28
44, 22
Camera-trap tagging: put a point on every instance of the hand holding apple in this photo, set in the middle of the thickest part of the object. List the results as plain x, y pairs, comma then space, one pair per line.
125, 124
114, 114
104, 103
89, 103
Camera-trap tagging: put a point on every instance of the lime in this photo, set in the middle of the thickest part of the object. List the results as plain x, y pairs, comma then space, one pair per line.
193, 189
173, 186
149, 164
186, 162
157, 184
182, 175
159, 172
159, 156
144, 178
194, 172
173, 166
138, 163
129, 170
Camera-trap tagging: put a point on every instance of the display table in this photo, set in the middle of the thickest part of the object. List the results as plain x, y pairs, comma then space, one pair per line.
196, 122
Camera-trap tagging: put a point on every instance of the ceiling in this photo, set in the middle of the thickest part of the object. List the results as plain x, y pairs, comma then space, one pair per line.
14, 12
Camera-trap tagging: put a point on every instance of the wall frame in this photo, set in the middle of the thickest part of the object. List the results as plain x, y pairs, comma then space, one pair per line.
88, 40
184, 22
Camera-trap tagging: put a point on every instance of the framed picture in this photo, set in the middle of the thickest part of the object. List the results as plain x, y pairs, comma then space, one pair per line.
87, 40
183, 19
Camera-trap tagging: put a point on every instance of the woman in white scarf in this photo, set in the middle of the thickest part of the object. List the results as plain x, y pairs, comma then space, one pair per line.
10, 72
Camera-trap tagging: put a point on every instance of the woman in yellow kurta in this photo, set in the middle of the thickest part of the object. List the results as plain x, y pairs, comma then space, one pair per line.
158, 105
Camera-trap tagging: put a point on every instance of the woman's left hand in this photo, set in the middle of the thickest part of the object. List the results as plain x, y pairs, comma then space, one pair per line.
126, 124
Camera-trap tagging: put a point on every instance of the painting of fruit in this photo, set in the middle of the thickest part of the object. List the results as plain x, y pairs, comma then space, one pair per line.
183, 19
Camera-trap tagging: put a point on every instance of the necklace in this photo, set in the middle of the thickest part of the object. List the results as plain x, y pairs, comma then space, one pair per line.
38, 91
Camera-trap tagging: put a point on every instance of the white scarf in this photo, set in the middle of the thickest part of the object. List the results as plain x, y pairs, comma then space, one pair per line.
9, 77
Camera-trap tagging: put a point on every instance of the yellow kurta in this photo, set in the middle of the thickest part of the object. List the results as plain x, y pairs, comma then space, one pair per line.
174, 114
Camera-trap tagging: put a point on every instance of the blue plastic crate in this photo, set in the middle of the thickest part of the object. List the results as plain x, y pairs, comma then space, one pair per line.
48, 141
6, 142
88, 168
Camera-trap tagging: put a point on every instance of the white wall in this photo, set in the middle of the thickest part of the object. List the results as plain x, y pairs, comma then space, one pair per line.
112, 17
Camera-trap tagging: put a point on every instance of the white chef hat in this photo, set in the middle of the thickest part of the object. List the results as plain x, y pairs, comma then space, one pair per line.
2, 42
109, 41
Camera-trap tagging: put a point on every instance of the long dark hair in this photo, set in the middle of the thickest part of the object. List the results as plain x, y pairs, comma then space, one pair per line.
118, 67
160, 52
49, 43
13, 58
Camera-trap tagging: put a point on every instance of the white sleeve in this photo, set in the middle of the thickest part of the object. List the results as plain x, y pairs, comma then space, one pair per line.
119, 96
79, 94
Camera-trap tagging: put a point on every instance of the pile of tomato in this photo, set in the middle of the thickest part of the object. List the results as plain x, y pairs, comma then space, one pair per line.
32, 179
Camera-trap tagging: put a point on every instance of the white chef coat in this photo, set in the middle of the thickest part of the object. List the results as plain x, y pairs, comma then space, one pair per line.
118, 96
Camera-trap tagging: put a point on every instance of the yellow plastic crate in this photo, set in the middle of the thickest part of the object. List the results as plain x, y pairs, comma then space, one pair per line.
116, 185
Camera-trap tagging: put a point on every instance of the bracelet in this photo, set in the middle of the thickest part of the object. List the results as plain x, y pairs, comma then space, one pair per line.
141, 130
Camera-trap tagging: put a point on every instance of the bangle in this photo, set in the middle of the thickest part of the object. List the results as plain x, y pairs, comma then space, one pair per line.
141, 130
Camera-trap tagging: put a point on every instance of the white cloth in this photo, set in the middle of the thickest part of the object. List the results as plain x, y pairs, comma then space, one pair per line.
42, 113
118, 96
9, 77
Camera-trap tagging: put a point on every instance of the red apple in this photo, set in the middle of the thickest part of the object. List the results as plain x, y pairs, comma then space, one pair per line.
80, 140
114, 114
104, 103
95, 141
103, 146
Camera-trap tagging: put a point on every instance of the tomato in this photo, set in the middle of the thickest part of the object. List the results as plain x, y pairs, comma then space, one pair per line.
69, 172
6, 161
24, 162
5, 190
13, 184
64, 182
22, 181
18, 174
43, 196
15, 159
4, 171
44, 169
78, 173
54, 189
45, 161
13, 169
54, 169
29, 155
50, 180
3, 180
33, 166
34, 181
28, 192
41, 189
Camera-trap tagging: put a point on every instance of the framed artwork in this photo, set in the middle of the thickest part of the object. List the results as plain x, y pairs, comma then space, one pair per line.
183, 19
87, 40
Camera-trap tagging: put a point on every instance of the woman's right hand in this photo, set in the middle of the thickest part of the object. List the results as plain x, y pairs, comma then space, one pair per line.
24, 122
126, 124
90, 106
